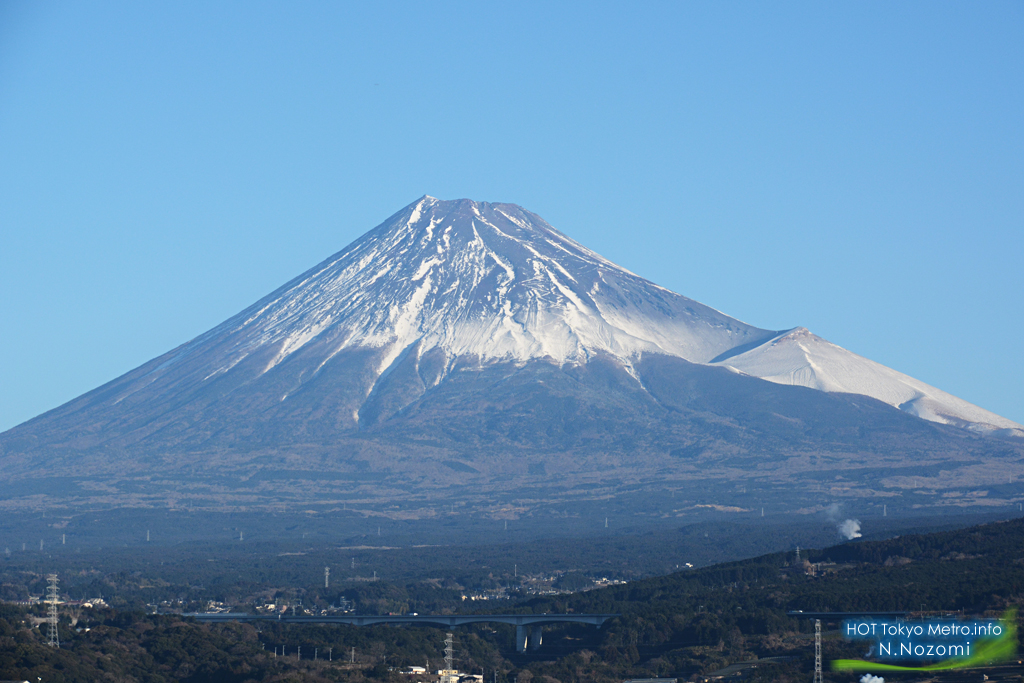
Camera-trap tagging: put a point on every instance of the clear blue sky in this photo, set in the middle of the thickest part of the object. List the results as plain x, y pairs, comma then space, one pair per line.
854, 168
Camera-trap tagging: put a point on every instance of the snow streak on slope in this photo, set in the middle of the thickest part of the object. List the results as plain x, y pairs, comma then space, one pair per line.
489, 281
801, 358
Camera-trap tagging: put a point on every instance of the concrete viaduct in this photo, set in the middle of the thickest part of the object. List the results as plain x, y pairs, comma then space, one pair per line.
528, 626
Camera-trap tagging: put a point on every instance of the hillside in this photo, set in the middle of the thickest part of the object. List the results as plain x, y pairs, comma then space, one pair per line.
680, 625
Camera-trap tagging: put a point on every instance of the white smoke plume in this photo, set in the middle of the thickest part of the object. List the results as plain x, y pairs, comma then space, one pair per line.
850, 529
870, 678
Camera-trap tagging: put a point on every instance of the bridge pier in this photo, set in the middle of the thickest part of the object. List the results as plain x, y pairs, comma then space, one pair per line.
528, 635
521, 638
536, 638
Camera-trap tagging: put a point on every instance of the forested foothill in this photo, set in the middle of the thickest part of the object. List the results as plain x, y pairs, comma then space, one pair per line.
246, 560
686, 624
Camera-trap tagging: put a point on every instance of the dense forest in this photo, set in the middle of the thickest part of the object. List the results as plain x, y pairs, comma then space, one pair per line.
686, 624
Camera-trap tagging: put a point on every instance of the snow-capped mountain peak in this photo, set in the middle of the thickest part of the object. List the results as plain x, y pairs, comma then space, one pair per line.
478, 283
491, 281
470, 350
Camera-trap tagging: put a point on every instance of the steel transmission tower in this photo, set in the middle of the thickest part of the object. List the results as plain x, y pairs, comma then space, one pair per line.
327, 577
817, 651
52, 598
448, 673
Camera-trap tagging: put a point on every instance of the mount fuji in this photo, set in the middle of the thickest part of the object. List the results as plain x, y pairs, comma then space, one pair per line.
470, 346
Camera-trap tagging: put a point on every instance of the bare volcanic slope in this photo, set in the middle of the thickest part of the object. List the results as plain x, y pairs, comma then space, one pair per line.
472, 343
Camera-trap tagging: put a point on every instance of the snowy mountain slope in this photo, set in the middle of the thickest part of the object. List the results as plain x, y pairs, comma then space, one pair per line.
489, 281
801, 358
443, 285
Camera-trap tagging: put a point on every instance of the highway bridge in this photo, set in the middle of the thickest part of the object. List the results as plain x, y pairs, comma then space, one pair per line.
528, 626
